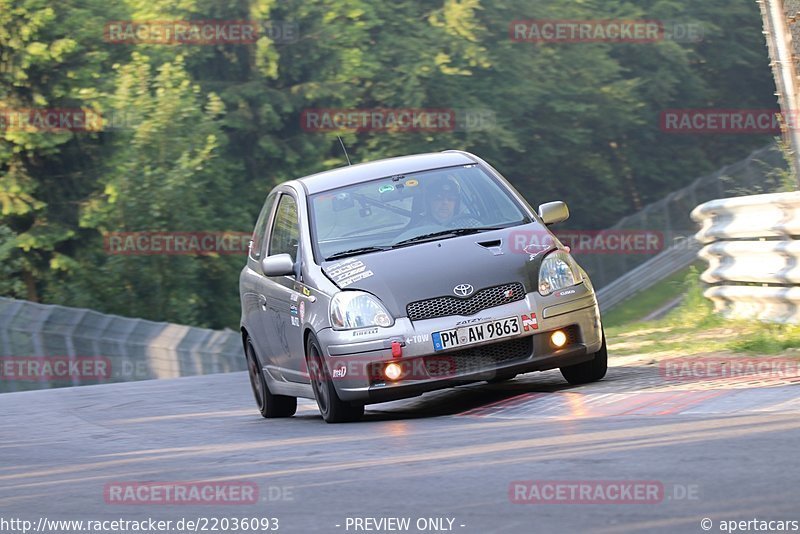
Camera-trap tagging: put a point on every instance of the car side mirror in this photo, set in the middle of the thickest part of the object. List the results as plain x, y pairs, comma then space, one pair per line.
553, 212
277, 265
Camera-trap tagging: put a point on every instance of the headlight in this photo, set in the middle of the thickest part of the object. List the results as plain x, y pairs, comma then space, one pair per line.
558, 271
356, 309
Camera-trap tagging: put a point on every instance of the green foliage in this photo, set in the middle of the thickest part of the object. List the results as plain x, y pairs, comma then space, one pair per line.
166, 176
770, 339
10, 265
786, 177
693, 327
213, 128
648, 301
695, 310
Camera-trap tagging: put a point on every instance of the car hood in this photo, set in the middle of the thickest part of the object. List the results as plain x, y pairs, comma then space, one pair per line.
433, 269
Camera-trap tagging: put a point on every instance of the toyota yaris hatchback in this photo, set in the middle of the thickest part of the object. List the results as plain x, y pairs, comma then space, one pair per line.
388, 279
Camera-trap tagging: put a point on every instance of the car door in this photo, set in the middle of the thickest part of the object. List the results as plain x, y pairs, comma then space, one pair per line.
281, 301
255, 303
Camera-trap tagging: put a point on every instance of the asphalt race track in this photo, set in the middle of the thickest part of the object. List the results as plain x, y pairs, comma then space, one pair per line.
449, 461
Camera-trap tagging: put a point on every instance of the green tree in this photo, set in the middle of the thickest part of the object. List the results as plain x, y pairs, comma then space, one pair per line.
165, 175
213, 128
51, 56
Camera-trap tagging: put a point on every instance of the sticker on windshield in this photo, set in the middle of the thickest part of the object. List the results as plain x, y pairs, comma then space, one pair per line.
386, 188
412, 183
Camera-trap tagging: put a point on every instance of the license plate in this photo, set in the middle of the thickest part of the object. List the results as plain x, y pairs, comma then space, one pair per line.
476, 333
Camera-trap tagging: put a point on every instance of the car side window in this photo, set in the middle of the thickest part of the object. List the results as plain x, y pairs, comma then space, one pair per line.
260, 231
285, 230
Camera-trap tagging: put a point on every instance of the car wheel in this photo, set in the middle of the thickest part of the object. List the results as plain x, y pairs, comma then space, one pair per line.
332, 408
269, 405
590, 371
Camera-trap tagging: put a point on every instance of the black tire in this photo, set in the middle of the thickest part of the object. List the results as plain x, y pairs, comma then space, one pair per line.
332, 408
271, 406
590, 371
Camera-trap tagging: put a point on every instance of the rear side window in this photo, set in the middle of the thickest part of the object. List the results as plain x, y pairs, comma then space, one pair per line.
285, 231
260, 231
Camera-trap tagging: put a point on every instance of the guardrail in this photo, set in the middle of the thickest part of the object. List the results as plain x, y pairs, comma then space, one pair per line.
759, 173
44, 346
752, 245
682, 254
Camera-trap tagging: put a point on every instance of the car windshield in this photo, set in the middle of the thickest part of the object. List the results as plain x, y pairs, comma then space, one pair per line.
401, 210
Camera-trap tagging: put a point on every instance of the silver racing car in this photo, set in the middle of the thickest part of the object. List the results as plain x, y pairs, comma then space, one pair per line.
384, 280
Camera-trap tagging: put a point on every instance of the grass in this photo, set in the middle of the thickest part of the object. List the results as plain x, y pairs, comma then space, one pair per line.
772, 339
692, 327
645, 302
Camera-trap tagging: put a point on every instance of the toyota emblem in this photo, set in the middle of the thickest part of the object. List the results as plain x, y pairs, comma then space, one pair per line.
463, 290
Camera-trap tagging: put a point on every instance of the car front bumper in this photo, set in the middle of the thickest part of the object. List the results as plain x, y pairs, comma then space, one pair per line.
355, 359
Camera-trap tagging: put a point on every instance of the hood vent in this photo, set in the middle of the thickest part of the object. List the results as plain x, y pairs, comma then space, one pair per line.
493, 246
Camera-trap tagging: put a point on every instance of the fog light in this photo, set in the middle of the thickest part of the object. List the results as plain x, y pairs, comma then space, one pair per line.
392, 371
558, 338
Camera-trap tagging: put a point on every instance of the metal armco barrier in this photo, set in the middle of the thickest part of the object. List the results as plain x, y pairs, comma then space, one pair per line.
675, 258
759, 173
35, 339
769, 304
752, 240
771, 262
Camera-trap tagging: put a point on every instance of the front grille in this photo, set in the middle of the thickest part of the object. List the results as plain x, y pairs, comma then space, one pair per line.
483, 299
478, 358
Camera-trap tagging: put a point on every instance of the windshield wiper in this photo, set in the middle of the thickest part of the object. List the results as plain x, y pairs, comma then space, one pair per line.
418, 239
355, 252
451, 232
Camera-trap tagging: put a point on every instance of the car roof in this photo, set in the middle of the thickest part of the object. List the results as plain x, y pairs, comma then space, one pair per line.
362, 172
